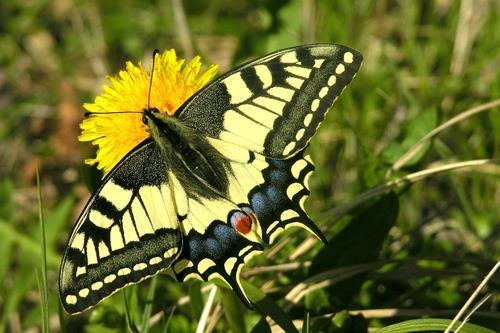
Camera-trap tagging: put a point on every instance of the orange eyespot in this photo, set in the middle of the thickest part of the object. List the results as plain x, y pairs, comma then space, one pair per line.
242, 221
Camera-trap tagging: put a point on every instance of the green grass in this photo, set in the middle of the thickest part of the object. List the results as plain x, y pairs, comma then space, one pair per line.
406, 182
42, 272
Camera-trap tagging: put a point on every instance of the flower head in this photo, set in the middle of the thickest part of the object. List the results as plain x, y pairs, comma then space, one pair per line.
116, 133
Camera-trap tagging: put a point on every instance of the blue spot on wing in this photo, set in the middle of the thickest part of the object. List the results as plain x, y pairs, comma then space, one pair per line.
276, 196
277, 176
215, 243
212, 246
260, 205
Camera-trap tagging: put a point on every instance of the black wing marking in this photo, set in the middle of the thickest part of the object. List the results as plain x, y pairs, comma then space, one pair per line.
127, 232
279, 201
273, 105
218, 252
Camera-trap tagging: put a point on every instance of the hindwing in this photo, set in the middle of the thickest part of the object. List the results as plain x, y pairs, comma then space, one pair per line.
272, 192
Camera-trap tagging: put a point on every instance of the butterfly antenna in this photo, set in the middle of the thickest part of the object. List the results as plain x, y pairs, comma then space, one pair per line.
155, 52
90, 113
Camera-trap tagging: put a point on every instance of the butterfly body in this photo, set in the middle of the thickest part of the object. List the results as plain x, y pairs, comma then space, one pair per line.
214, 184
199, 167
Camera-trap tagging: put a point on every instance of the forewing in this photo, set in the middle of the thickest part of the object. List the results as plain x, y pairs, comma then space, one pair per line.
127, 232
273, 105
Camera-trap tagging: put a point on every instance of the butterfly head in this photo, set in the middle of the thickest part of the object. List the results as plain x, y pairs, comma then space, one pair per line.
154, 121
148, 114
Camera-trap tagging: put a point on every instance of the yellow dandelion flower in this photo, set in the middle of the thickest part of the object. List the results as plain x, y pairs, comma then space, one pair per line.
116, 134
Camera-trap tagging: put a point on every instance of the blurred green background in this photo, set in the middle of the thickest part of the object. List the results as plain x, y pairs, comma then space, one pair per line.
415, 252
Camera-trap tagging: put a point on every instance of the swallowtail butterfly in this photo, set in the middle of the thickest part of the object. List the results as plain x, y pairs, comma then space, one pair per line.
214, 184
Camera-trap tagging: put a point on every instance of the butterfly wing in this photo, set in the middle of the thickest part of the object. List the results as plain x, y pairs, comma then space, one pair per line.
273, 191
128, 231
273, 105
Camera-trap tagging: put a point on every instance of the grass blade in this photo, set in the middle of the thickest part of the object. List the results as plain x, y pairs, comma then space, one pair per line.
430, 324
473, 296
149, 304
42, 274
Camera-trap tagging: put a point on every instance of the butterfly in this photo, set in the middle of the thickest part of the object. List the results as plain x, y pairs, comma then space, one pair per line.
214, 184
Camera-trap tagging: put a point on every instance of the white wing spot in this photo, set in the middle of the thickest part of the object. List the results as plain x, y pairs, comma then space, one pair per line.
297, 167
205, 264
71, 299
79, 241
315, 105
116, 238
288, 148
307, 119
282, 93
142, 222
170, 252
154, 260
275, 234
264, 75
323, 92
306, 179
117, 195
110, 278
299, 71
140, 266
91, 253
245, 249
302, 201
229, 264
129, 232
81, 270
294, 82
272, 226
271, 104
288, 214
97, 285
103, 250
124, 271
84, 292
318, 63
100, 220
290, 57
237, 88
332, 80
182, 264
348, 57
340, 69
180, 196
293, 189
155, 206
300, 134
